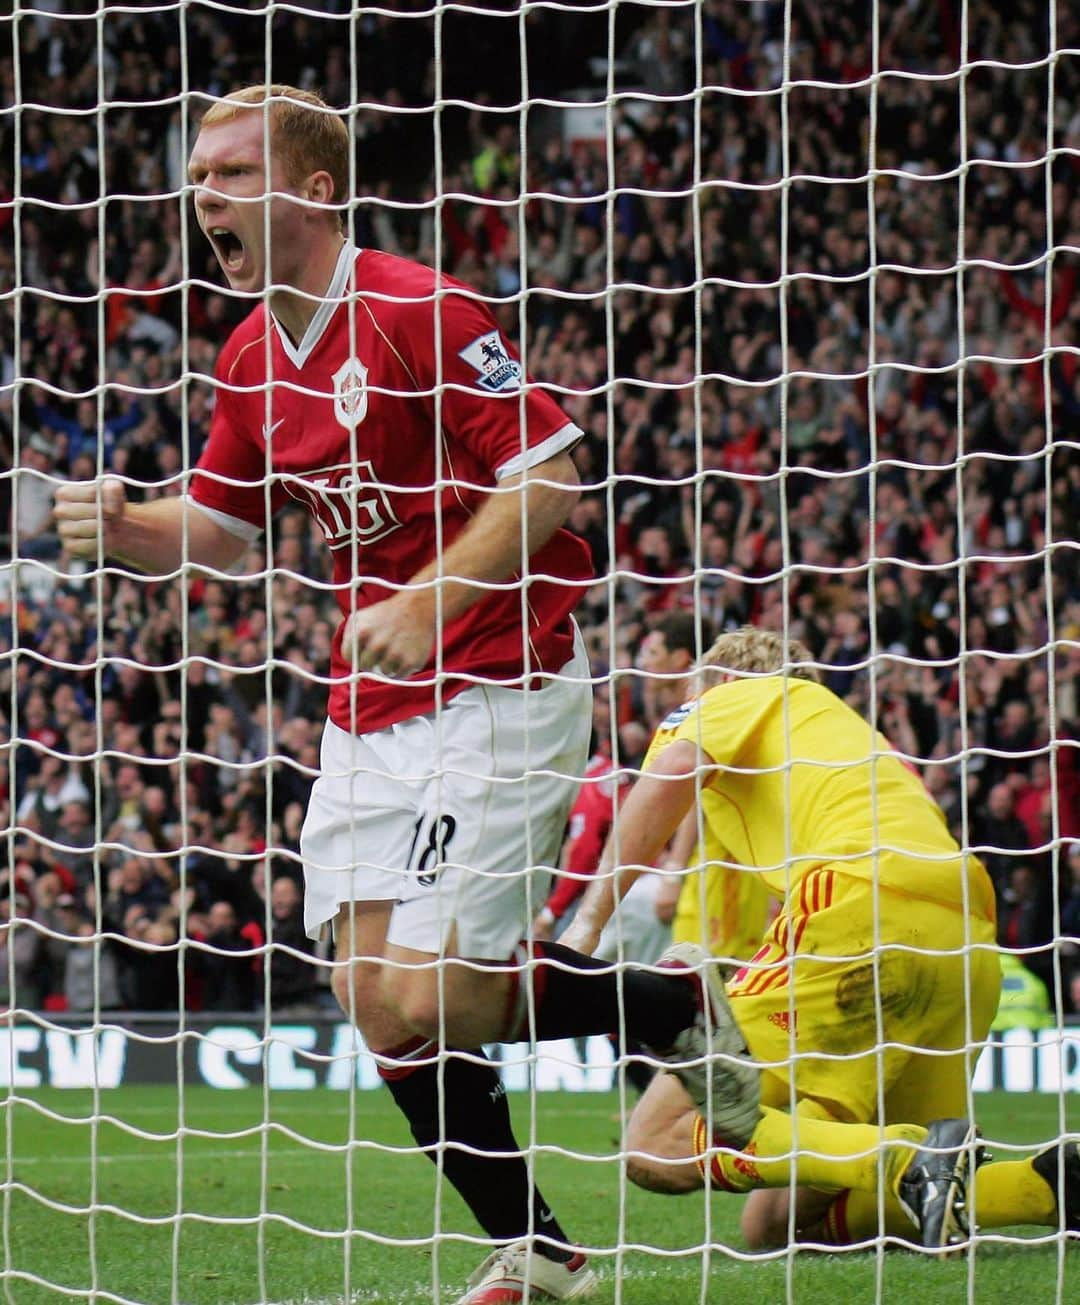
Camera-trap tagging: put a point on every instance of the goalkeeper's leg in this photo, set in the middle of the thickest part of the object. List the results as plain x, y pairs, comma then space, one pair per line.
673, 1150
1005, 1193
1008, 1193
928, 1172
670, 1152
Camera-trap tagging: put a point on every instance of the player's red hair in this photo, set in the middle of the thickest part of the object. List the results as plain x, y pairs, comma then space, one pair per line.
306, 134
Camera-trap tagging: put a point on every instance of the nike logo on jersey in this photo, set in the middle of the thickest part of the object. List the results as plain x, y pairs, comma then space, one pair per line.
269, 430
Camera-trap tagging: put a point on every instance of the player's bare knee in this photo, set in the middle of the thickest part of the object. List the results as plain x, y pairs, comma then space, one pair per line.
758, 1232
764, 1221
424, 1017
455, 1005
415, 998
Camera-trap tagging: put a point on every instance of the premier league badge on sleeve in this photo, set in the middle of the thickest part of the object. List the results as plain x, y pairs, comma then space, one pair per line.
675, 718
495, 369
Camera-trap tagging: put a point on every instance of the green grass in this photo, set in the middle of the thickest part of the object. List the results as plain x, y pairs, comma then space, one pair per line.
299, 1252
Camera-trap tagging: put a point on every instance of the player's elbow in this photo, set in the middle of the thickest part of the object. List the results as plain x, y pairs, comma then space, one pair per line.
680, 760
653, 1175
571, 496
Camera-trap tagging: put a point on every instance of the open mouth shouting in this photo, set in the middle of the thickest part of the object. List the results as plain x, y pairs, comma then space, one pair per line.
229, 248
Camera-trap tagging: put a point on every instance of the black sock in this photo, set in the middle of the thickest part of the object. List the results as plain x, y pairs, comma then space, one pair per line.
573, 1002
495, 1187
639, 1073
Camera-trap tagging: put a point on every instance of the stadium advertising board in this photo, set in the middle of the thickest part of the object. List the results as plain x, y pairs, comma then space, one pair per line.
328, 1053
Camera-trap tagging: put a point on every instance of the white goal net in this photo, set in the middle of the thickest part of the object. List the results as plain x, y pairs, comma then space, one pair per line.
806, 280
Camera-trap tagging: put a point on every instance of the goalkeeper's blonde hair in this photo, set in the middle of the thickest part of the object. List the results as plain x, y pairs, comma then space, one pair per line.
749, 650
306, 134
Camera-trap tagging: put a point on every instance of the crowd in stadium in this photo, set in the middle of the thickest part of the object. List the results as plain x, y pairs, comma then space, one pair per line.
916, 530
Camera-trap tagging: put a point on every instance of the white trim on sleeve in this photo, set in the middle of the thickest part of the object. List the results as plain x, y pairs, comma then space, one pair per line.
564, 438
234, 525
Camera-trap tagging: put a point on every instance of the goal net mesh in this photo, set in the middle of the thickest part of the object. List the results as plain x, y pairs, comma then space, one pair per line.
806, 278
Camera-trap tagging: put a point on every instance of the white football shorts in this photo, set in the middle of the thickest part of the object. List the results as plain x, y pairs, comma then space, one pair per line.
456, 816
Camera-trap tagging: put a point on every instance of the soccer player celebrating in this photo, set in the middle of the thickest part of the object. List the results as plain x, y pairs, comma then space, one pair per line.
386, 401
872, 989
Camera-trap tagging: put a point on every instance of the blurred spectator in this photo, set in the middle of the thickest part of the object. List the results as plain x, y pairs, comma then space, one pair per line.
1025, 922
1070, 924
83, 432
230, 982
123, 808
666, 655
135, 892
1033, 801
22, 953
75, 841
54, 786
37, 484
294, 989
150, 965
1001, 832
91, 972
85, 964
54, 910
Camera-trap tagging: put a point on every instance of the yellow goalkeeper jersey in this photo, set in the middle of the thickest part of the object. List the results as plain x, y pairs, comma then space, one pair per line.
799, 781
721, 906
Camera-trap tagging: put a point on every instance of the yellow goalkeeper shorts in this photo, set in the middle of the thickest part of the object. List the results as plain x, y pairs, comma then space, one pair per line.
857, 1027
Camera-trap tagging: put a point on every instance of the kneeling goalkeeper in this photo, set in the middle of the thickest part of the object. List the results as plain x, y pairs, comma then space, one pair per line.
873, 989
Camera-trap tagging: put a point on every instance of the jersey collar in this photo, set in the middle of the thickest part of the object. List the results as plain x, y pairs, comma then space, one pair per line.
298, 354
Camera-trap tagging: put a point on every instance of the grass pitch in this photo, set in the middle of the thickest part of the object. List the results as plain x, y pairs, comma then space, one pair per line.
240, 1210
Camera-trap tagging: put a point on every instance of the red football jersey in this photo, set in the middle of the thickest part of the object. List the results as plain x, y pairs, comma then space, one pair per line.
591, 818
359, 423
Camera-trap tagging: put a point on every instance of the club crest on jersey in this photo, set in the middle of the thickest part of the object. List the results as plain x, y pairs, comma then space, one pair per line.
495, 369
350, 393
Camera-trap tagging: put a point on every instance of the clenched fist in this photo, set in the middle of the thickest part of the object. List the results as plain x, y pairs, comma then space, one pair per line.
87, 511
394, 638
